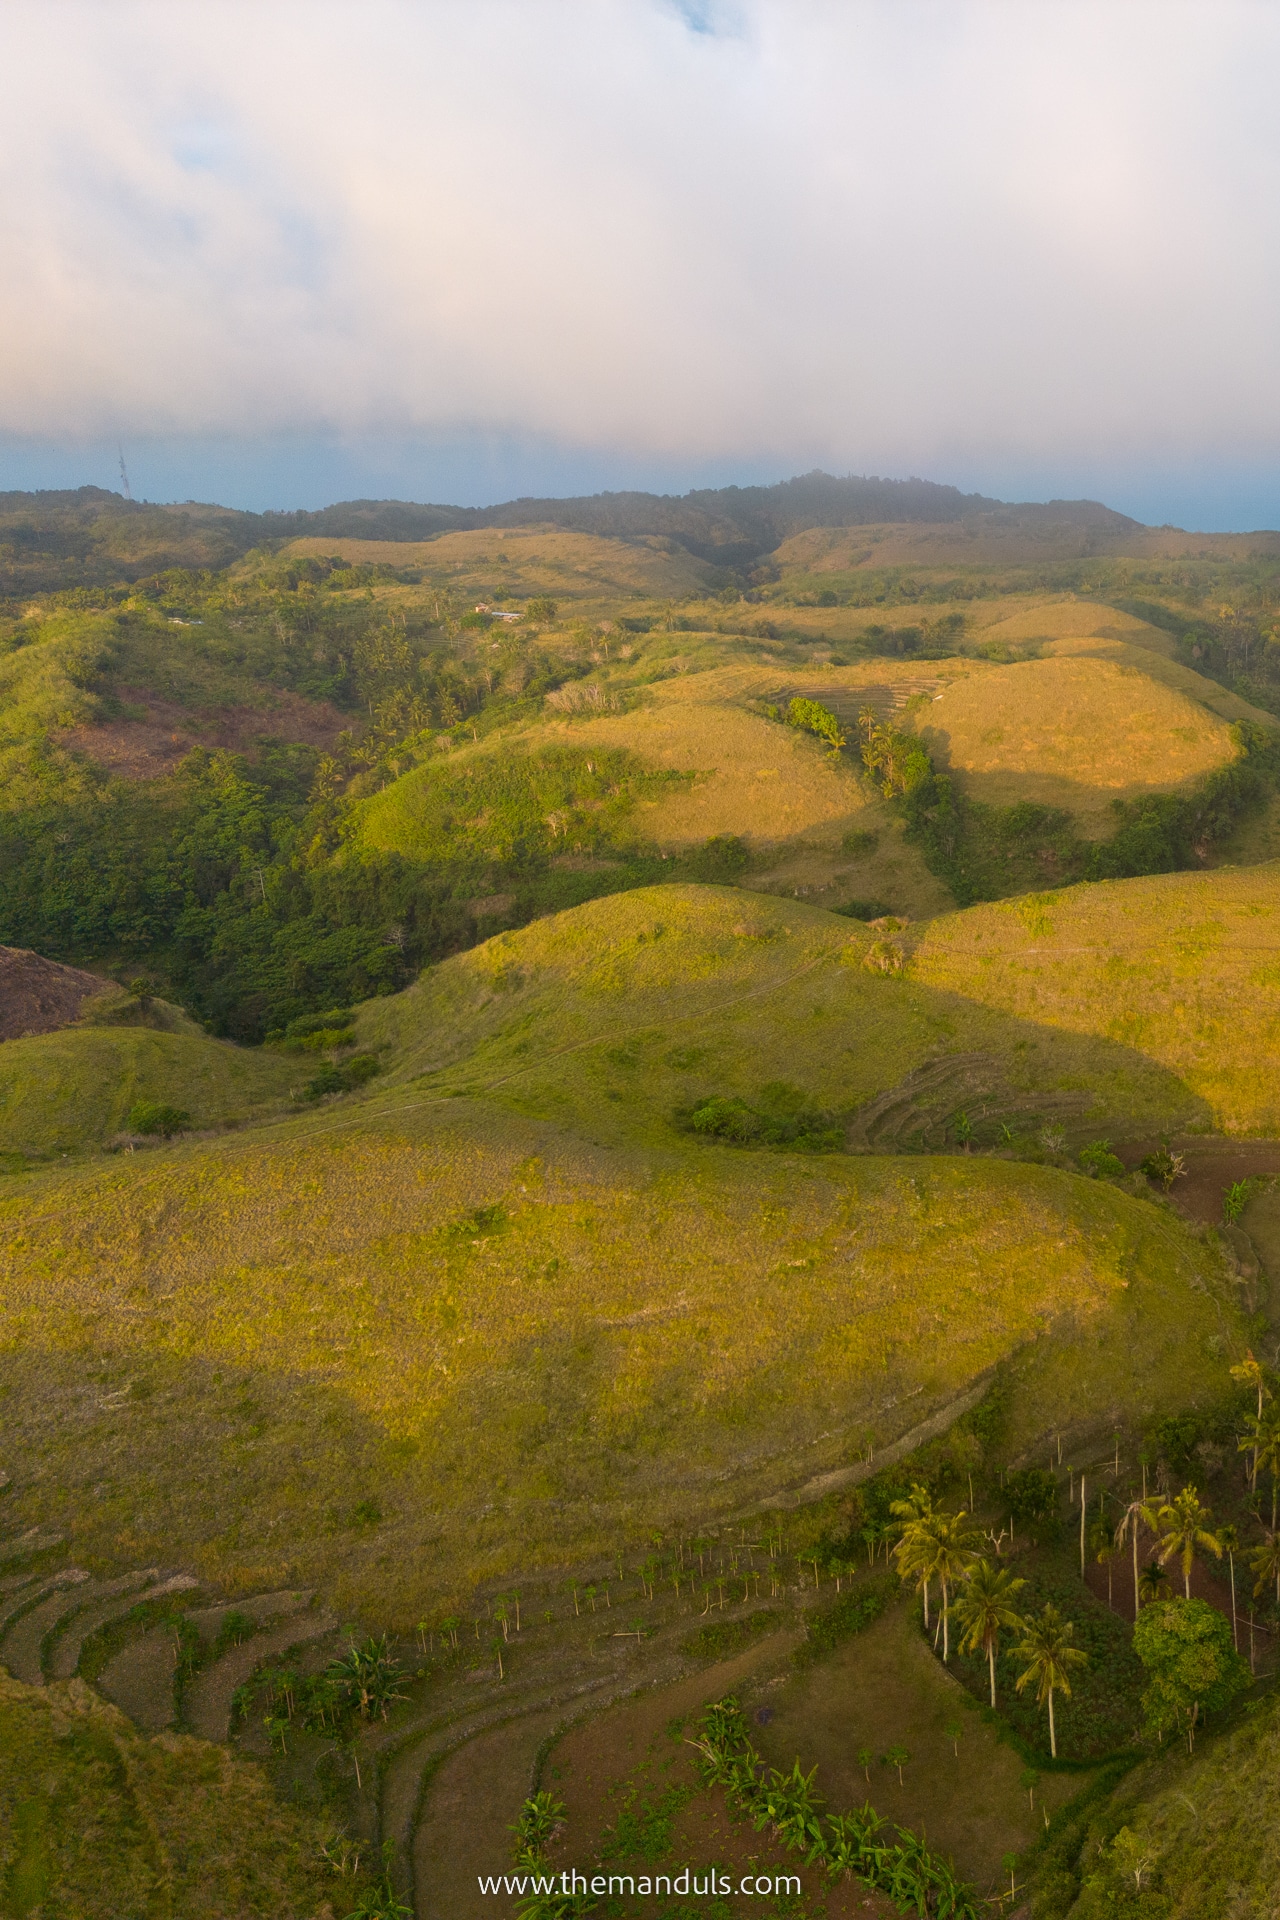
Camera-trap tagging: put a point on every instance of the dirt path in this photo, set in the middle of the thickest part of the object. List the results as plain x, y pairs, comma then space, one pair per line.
471, 1800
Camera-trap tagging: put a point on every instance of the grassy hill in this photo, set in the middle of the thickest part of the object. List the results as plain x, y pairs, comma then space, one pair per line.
64, 1092
521, 1348
1180, 968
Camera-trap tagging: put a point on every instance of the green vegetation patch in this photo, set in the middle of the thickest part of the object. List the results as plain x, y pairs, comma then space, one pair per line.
99, 1822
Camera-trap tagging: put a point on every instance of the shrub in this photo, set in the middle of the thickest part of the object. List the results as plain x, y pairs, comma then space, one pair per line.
813, 717
1185, 1646
1098, 1160
864, 910
784, 1118
344, 1079
860, 840
154, 1117
722, 1637
1031, 1494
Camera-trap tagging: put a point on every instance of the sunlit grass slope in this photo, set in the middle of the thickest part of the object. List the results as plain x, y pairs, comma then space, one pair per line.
100, 1823
516, 1348
612, 1017
772, 786
548, 561
1074, 731
62, 1092
1181, 969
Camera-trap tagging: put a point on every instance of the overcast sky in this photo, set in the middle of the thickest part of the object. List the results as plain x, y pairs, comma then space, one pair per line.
284, 253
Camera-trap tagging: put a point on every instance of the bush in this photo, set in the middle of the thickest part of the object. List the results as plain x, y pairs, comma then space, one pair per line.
1031, 1494
722, 1637
153, 1117
344, 1079
860, 840
1098, 1160
1185, 1646
784, 1118
864, 910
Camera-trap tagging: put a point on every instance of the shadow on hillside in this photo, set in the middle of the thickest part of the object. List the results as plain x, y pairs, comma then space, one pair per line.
1013, 1080
246, 1476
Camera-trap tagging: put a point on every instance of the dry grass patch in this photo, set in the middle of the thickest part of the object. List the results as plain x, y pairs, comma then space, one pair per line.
529, 561
1074, 732
1183, 969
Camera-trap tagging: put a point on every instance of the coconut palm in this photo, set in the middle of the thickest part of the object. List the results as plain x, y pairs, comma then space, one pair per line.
1184, 1527
1105, 1545
1265, 1561
954, 1552
1046, 1647
983, 1606
913, 1552
1229, 1541
1154, 1583
1249, 1374
1137, 1515
1262, 1437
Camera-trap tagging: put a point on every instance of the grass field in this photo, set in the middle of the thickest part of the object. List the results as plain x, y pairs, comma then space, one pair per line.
63, 1092
612, 1018
545, 561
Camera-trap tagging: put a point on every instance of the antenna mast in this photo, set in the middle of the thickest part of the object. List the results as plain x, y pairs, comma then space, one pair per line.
124, 475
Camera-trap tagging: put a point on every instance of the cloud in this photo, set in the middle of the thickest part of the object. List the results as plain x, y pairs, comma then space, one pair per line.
885, 235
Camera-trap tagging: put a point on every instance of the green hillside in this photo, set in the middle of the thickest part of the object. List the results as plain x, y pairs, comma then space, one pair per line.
1099, 1010
654, 986
521, 1347
98, 1822
64, 1092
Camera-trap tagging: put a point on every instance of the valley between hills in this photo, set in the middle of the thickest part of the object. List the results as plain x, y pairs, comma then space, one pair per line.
610, 1111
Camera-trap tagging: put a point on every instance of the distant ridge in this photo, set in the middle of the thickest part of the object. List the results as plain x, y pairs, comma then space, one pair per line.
87, 534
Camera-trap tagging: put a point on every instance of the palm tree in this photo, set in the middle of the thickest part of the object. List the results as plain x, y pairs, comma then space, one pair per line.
1183, 1523
1154, 1583
912, 1553
1229, 1540
1137, 1515
1046, 1647
1249, 1374
983, 1606
1265, 1561
1263, 1437
953, 1555
1102, 1538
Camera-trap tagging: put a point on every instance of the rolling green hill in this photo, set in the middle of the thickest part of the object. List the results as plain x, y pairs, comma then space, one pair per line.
64, 1092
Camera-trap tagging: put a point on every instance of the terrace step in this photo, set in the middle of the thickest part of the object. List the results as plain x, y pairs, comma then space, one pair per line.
209, 1698
64, 1656
22, 1643
139, 1680
23, 1598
